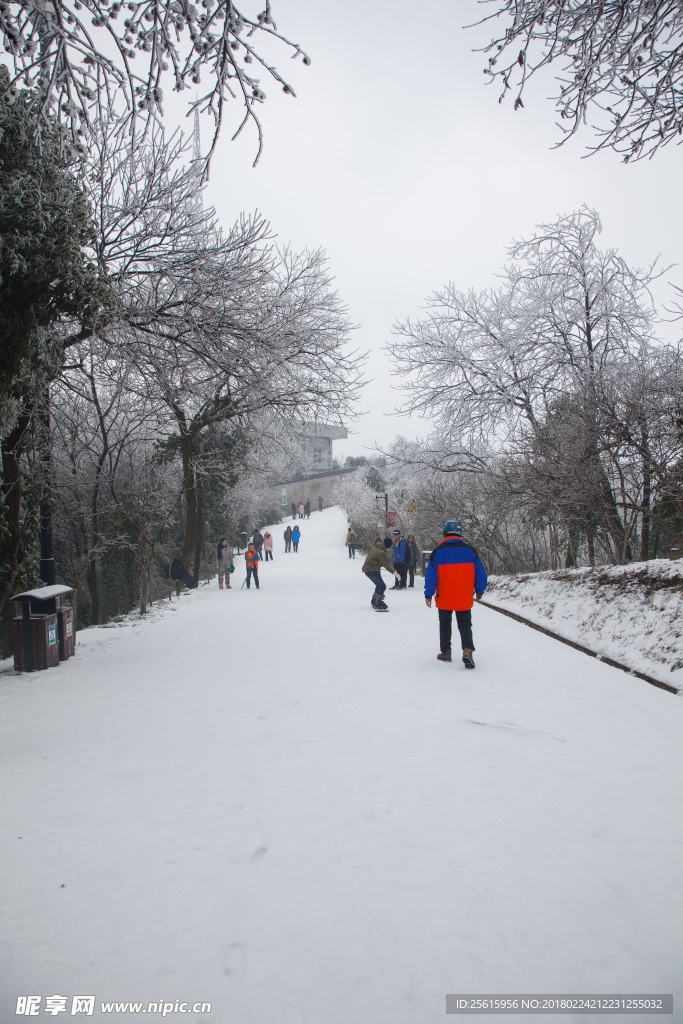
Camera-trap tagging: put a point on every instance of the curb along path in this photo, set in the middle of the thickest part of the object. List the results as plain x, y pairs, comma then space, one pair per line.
579, 647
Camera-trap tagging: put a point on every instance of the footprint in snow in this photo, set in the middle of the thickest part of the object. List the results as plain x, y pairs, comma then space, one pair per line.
259, 855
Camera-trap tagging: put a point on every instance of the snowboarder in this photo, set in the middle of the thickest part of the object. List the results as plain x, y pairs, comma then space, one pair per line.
268, 546
307, 508
378, 559
320, 502
288, 539
412, 555
351, 542
258, 541
296, 536
400, 547
455, 573
252, 558
224, 561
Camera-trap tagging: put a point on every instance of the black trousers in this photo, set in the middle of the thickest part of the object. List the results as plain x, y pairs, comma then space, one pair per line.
464, 620
252, 572
411, 575
402, 569
267, 555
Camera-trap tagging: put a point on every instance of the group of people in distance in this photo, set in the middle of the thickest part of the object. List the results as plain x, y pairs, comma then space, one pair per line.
454, 576
259, 549
303, 509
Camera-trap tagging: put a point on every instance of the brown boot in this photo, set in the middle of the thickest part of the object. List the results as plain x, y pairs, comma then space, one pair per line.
467, 659
444, 656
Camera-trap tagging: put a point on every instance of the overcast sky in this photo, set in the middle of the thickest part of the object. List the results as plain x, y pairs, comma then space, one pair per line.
397, 159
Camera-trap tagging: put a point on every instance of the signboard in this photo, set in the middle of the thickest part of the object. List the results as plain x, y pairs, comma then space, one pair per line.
412, 507
69, 627
392, 518
52, 634
284, 497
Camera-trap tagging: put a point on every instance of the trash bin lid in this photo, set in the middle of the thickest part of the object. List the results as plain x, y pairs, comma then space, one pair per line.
44, 593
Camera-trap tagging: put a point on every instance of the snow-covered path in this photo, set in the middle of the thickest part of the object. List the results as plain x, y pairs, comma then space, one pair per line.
280, 803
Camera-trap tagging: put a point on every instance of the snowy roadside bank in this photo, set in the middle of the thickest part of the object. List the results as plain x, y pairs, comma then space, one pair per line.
631, 613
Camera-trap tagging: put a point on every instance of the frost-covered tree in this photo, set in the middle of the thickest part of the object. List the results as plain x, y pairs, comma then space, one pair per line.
620, 66
536, 370
80, 57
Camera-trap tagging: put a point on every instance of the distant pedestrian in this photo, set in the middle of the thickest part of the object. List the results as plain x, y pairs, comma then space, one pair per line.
455, 574
301, 509
258, 541
268, 546
400, 547
307, 508
378, 558
224, 561
351, 542
412, 556
296, 537
252, 558
288, 539
320, 502
293, 511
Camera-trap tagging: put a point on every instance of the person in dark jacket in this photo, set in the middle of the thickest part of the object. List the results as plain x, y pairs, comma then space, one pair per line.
307, 508
288, 539
400, 547
320, 502
351, 542
258, 541
456, 575
412, 557
293, 511
378, 558
224, 562
252, 558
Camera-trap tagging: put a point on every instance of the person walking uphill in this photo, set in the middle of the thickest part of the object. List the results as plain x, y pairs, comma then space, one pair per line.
296, 537
288, 539
351, 542
378, 559
252, 558
224, 562
307, 508
455, 574
320, 502
268, 546
258, 541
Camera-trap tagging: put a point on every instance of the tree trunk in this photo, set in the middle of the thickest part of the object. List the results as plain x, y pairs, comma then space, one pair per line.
12, 548
199, 531
47, 552
591, 548
94, 588
190, 502
647, 499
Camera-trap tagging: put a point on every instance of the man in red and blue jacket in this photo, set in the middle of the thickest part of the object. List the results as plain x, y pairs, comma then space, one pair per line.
456, 575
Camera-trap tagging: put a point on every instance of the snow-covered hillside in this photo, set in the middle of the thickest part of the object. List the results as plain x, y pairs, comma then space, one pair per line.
631, 613
280, 803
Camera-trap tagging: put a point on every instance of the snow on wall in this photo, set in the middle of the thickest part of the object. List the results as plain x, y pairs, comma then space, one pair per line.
631, 613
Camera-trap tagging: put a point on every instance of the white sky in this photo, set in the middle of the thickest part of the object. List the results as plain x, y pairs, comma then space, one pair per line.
398, 160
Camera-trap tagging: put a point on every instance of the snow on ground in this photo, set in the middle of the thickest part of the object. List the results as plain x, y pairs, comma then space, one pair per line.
280, 803
631, 613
